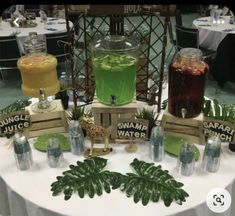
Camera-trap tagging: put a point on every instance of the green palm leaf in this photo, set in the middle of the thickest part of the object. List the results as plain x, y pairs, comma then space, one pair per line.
88, 178
152, 183
220, 111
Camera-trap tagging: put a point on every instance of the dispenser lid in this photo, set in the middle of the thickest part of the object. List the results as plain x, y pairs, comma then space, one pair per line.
115, 43
34, 44
190, 53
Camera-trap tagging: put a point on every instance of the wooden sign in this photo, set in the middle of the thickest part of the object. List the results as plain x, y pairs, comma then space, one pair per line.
115, 9
14, 121
132, 128
225, 130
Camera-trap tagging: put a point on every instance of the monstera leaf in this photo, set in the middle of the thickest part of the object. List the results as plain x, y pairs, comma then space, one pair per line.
216, 110
152, 183
86, 177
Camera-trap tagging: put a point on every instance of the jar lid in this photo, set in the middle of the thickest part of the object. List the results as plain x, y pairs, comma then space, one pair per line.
34, 44
190, 53
117, 43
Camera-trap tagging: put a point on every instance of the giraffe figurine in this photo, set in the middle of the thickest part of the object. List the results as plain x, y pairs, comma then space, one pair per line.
95, 131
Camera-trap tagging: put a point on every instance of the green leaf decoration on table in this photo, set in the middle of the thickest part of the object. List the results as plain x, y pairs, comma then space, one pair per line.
173, 144
17, 105
216, 110
151, 183
41, 142
87, 177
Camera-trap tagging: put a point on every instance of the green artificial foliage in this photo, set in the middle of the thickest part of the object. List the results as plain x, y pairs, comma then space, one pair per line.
86, 177
149, 115
164, 104
76, 114
151, 183
18, 105
216, 110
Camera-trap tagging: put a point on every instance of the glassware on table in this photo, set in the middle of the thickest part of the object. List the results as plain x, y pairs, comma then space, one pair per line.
156, 144
54, 153
186, 159
22, 150
114, 62
76, 137
43, 17
186, 81
211, 155
217, 16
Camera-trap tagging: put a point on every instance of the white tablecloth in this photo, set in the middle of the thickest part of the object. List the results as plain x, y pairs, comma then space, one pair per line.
54, 25
28, 192
211, 34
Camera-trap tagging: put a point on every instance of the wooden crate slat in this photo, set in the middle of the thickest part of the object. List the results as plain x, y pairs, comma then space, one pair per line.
54, 121
105, 119
190, 128
97, 118
46, 131
46, 124
108, 115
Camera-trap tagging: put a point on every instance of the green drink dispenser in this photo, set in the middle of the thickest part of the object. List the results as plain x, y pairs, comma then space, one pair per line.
114, 63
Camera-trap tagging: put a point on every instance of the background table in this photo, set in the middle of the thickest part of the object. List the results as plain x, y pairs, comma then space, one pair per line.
28, 192
210, 35
54, 25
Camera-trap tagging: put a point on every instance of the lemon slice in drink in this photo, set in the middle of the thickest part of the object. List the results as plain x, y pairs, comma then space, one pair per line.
105, 66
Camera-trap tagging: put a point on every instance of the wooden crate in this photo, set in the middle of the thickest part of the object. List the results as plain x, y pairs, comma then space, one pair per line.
46, 123
108, 115
190, 128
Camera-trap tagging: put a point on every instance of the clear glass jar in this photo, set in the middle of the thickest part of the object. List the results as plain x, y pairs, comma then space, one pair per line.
211, 155
156, 146
114, 62
186, 79
38, 70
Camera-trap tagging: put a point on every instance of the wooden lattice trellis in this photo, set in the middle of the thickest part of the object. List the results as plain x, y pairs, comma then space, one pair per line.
147, 27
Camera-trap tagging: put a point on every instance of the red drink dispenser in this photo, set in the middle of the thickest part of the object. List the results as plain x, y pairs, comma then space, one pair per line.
187, 75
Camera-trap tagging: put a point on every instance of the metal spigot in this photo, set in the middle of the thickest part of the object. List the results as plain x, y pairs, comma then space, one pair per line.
113, 100
183, 112
43, 102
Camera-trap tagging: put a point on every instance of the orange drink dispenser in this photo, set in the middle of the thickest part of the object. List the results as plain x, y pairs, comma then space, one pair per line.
39, 78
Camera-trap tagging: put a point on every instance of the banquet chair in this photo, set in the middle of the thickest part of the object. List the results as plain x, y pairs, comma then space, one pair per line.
224, 64
189, 37
9, 54
178, 18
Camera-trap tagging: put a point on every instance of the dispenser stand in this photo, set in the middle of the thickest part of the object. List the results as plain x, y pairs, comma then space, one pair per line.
49, 122
108, 115
189, 128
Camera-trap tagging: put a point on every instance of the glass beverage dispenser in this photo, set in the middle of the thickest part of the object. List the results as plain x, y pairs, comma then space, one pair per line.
114, 62
187, 75
38, 73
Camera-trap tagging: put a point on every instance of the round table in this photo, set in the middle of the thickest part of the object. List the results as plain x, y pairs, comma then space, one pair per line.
54, 25
211, 34
28, 192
